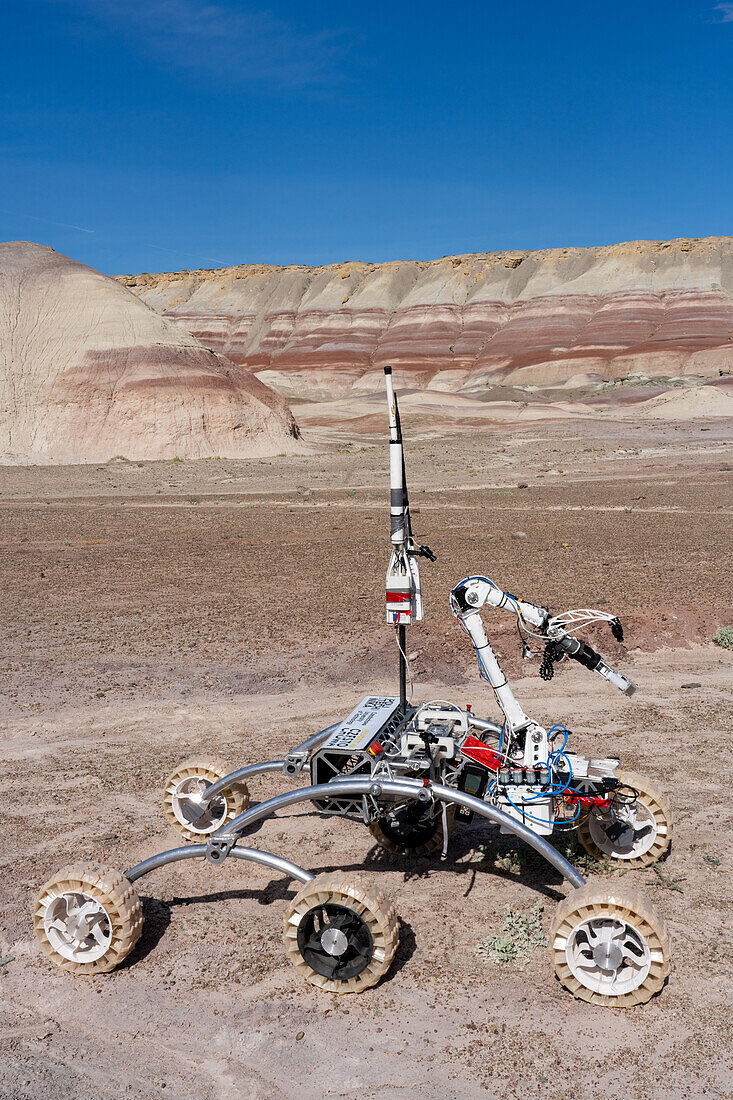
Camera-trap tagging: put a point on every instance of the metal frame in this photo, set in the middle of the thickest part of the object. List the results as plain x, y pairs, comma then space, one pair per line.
223, 842
198, 851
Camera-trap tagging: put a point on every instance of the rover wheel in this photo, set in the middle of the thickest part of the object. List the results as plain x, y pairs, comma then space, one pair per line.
182, 798
609, 946
88, 919
340, 933
637, 832
415, 829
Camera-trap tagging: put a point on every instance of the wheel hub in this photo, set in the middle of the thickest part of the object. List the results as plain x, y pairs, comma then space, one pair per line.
628, 834
333, 941
78, 927
608, 955
189, 808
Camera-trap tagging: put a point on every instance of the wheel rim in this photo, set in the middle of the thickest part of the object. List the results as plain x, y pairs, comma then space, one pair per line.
335, 941
186, 805
608, 955
78, 927
410, 826
635, 841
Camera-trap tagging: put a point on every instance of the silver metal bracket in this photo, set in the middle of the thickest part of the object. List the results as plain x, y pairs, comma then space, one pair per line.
219, 848
294, 763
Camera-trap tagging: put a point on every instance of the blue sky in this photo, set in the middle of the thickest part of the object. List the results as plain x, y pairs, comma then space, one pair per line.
148, 135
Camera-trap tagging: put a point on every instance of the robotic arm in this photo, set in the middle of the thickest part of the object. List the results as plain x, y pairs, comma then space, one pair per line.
476, 592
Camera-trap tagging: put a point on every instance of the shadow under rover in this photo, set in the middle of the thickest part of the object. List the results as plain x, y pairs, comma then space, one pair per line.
508, 859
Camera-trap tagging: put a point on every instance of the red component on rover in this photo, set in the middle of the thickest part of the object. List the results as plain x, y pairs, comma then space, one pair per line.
587, 800
481, 753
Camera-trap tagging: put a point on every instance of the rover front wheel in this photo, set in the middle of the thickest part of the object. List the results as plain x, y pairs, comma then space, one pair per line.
340, 933
636, 831
183, 804
609, 946
87, 919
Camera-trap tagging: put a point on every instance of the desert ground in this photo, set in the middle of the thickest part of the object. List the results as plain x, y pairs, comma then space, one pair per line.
153, 611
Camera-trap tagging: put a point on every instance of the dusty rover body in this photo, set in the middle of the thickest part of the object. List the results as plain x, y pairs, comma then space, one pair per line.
411, 774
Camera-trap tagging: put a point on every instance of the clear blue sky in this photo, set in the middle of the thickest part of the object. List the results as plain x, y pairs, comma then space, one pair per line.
147, 135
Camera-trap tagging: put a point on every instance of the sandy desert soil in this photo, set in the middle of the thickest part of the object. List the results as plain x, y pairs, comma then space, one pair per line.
155, 611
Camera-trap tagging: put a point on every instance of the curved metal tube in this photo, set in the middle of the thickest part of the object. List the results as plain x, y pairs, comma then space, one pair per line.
485, 724
406, 788
226, 781
241, 773
314, 742
195, 851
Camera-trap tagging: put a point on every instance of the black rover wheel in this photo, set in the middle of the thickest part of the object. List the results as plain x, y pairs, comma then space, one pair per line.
415, 829
340, 933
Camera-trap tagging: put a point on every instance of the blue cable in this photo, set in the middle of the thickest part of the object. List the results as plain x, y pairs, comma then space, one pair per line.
564, 730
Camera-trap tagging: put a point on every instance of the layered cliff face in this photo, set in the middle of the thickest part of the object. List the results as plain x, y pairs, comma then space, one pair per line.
88, 371
569, 317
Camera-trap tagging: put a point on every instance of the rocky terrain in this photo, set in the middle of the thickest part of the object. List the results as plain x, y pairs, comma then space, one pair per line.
88, 371
159, 610
591, 322
155, 611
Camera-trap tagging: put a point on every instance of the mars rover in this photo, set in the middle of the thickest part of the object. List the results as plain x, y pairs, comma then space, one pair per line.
411, 773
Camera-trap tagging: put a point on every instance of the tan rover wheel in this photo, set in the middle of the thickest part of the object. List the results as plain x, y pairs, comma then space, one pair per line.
412, 830
88, 919
340, 933
609, 946
635, 832
182, 798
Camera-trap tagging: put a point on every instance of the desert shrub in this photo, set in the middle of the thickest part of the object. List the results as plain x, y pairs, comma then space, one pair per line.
520, 935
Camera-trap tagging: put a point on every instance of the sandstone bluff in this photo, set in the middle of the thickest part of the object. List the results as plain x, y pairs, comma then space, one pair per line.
88, 371
569, 317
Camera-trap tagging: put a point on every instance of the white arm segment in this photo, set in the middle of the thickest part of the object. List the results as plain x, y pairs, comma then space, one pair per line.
490, 670
479, 591
476, 592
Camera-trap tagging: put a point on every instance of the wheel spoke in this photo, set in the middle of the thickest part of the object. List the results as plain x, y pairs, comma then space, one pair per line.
632, 957
313, 944
619, 932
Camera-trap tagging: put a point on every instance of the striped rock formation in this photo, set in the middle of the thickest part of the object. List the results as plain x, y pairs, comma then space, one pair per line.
88, 371
568, 317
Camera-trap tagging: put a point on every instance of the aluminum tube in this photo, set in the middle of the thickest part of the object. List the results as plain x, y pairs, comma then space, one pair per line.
407, 788
234, 777
484, 724
198, 851
315, 741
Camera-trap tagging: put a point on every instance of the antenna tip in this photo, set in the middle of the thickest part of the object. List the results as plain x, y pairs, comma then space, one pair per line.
387, 370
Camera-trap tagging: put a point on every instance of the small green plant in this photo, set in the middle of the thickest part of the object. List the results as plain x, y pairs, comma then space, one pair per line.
569, 846
521, 934
712, 859
724, 637
174, 459
665, 880
193, 500
512, 862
